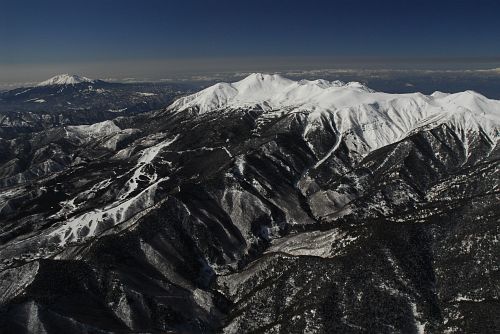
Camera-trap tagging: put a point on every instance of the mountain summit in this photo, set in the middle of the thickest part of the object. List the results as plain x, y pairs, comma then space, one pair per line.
373, 118
277, 92
65, 79
271, 90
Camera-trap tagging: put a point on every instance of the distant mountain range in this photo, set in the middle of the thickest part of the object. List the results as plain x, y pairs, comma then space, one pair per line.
72, 100
266, 205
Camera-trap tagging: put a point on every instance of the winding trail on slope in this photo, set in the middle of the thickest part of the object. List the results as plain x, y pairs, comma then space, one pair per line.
330, 152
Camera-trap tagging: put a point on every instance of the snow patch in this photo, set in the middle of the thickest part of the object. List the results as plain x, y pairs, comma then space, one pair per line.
94, 130
89, 224
140, 171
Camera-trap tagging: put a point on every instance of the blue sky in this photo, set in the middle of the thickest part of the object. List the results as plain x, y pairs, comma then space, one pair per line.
67, 34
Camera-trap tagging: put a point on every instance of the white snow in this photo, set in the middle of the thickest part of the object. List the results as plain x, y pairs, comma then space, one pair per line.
112, 214
117, 110
461, 298
271, 91
326, 244
147, 156
65, 79
227, 151
24, 91
94, 130
118, 212
420, 326
146, 94
361, 116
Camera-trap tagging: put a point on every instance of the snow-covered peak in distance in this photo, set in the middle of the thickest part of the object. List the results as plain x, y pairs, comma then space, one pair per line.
65, 79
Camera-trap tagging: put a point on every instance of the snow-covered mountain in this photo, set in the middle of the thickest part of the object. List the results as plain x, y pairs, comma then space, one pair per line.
270, 91
275, 92
265, 205
376, 119
66, 79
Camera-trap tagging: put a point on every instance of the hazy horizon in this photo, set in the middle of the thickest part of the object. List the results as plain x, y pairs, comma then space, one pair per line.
207, 69
154, 40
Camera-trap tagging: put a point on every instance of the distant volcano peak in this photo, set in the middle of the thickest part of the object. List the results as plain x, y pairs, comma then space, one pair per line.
66, 79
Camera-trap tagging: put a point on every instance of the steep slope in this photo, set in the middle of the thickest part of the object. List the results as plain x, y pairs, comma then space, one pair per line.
371, 118
266, 205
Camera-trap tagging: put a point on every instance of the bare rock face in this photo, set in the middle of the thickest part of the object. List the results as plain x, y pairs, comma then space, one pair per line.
266, 206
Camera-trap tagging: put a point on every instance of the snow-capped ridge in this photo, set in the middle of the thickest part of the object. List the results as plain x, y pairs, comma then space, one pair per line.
65, 79
271, 90
372, 119
331, 96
